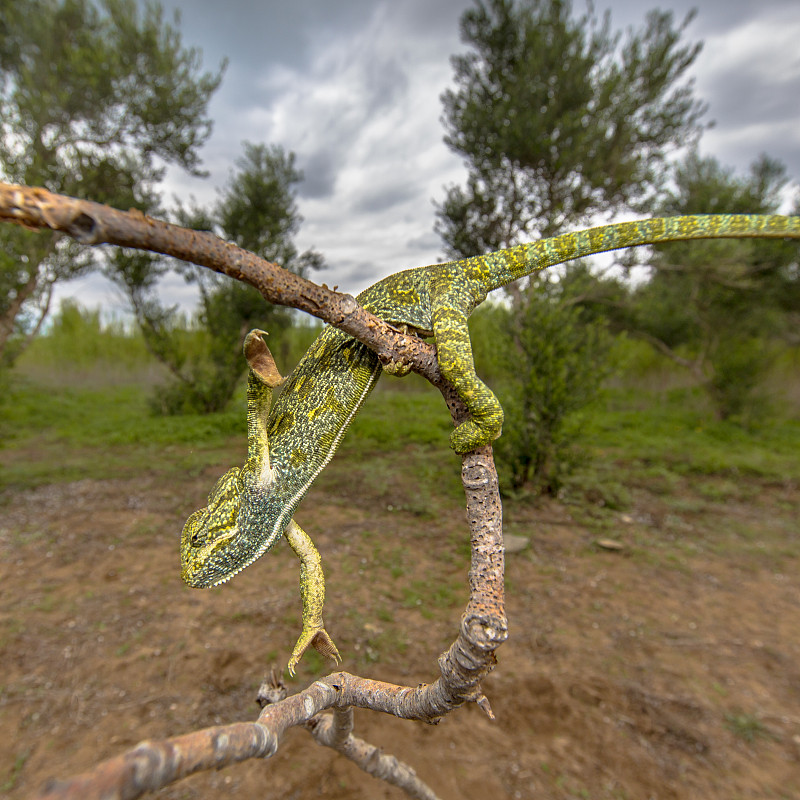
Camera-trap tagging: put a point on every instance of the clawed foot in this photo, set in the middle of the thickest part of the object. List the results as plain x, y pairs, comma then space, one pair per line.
312, 592
318, 638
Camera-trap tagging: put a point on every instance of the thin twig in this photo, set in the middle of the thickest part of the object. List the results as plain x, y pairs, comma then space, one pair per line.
336, 731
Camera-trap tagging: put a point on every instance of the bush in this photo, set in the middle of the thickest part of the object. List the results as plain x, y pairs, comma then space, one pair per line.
553, 357
736, 385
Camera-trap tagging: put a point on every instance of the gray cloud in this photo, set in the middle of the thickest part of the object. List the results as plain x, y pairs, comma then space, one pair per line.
359, 274
384, 198
426, 242
319, 170
352, 87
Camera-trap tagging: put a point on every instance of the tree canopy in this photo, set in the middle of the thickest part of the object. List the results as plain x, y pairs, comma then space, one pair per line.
558, 119
95, 99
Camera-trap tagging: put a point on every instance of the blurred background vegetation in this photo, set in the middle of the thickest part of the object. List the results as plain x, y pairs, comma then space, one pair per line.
561, 121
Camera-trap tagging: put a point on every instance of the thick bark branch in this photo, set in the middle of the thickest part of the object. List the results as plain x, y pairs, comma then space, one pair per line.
483, 625
94, 224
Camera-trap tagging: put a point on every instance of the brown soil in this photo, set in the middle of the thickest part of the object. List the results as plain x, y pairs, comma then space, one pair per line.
670, 668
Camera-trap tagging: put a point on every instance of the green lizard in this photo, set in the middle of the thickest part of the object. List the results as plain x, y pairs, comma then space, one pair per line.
251, 507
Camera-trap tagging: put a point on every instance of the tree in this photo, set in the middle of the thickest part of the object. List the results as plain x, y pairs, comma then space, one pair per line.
557, 120
94, 99
713, 308
257, 209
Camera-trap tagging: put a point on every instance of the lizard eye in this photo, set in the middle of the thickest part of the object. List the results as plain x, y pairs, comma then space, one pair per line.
195, 540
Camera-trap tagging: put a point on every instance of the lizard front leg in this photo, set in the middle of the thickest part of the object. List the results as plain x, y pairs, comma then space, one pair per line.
312, 592
454, 353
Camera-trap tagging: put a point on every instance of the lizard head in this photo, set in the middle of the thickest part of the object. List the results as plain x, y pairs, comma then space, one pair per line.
218, 541
205, 560
215, 544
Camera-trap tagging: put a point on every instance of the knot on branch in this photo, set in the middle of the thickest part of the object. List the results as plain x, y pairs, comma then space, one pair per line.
471, 657
476, 473
485, 628
84, 229
346, 306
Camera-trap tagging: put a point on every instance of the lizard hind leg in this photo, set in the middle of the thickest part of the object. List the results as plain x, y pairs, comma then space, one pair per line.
312, 592
454, 353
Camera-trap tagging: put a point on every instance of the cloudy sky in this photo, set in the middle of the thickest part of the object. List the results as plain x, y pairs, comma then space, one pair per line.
353, 86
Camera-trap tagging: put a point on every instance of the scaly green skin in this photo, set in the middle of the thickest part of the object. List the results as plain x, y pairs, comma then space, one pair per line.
250, 508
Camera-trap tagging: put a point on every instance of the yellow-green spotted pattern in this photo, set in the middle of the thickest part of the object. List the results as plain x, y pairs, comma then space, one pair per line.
326, 390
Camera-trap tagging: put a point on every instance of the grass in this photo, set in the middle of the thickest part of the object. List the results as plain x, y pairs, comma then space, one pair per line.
673, 436
99, 430
112, 415
746, 726
100, 425
16, 770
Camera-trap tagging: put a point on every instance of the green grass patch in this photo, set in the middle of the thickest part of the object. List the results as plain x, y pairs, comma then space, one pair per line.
397, 447
746, 726
674, 437
111, 415
49, 436
392, 419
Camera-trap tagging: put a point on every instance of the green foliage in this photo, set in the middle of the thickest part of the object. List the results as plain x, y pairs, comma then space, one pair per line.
636, 437
740, 365
558, 120
424, 415
94, 99
553, 359
208, 360
671, 433
256, 210
77, 337
99, 431
715, 306
24, 303
96, 92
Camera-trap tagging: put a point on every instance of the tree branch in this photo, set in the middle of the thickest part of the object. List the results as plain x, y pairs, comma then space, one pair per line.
154, 764
94, 224
694, 366
336, 731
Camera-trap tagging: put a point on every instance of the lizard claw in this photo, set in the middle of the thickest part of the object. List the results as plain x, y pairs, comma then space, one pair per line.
320, 640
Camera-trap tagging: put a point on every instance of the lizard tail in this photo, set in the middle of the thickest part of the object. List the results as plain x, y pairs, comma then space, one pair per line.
506, 266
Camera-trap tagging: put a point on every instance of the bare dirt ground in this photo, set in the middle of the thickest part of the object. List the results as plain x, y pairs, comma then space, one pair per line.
668, 669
